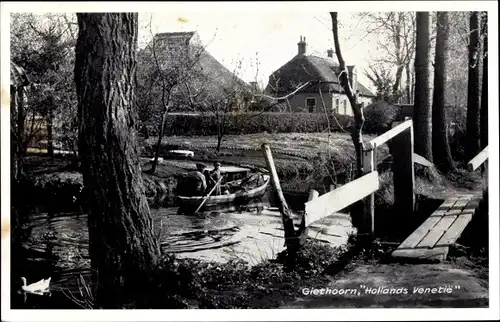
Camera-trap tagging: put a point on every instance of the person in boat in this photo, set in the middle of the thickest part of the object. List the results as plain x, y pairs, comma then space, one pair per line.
208, 178
193, 183
215, 176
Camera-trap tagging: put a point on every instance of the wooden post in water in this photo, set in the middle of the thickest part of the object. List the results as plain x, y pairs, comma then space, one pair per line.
291, 241
403, 172
368, 221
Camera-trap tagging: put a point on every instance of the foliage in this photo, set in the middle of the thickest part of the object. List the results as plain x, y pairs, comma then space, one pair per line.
44, 46
219, 96
247, 123
163, 71
311, 259
379, 117
382, 80
188, 283
396, 38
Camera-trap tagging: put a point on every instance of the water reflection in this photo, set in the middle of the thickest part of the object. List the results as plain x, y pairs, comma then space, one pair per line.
56, 245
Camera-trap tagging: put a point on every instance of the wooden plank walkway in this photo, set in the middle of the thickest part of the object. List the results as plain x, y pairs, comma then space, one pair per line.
431, 241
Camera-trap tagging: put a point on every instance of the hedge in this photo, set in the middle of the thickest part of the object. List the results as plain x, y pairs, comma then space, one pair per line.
248, 123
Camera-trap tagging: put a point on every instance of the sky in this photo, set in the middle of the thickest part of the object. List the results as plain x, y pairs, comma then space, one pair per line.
263, 32
269, 38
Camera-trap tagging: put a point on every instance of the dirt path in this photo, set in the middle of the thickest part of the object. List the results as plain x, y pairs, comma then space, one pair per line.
456, 285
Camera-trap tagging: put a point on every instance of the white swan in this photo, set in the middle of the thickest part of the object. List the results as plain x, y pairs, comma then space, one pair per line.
38, 287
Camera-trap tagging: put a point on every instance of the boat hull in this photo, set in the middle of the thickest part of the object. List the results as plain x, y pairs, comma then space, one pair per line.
238, 197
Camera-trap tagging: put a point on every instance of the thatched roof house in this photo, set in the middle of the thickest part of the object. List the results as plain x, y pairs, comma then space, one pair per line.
302, 68
184, 54
325, 70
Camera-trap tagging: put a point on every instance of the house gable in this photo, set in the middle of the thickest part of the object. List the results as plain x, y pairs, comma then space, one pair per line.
303, 68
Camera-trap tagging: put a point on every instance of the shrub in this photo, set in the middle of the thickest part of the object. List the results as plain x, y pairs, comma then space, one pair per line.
456, 116
248, 123
379, 117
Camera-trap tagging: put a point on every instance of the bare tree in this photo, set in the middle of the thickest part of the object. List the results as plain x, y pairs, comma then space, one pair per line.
358, 208
357, 129
122, 243
473, 117
382, 80
219, 93
165, 69
396, 31
484, 90
441, 148
422, 114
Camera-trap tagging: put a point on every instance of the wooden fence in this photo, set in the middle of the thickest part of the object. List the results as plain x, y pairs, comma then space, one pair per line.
478, 160
400, 139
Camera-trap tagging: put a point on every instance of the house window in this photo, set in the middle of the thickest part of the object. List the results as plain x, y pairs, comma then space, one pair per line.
345, 107
311, 104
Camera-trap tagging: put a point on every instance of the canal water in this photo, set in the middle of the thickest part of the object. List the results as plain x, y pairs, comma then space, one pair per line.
56, 244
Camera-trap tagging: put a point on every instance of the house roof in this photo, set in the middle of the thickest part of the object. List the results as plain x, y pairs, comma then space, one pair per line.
303, 68
218, 72
206, 63
175, 38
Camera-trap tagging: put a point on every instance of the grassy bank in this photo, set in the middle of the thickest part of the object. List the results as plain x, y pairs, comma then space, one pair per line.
186, 283
295, 155
299, 166
304, 161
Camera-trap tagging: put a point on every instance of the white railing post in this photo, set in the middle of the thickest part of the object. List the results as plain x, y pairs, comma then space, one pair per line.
369, 165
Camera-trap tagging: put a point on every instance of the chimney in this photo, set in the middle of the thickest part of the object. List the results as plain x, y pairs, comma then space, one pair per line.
302, 46
329, 52
254, 86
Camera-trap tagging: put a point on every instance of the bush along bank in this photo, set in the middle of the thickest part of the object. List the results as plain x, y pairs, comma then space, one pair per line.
249, 123
65, 189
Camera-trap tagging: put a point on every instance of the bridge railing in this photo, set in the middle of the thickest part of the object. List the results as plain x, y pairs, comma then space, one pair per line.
401, 139
478, 160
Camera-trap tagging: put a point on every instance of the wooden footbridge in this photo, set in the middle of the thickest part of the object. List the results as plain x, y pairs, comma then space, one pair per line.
432, 239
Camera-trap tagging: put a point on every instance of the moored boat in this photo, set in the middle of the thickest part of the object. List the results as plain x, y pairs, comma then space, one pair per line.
239, 196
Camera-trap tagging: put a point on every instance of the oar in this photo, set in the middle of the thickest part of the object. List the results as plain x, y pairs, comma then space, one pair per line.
206, 197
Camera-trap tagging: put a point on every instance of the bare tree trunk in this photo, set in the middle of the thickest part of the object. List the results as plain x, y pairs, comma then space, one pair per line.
484, 91
357, 209
359, 120
21, 135
219, 132
422, 114
50, 134
161, 132
219, 140
397, 83
408, 84
473, 117
440, 145
14, 137
122, 243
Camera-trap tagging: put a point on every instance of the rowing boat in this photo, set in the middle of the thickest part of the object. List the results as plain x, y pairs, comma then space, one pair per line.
239, 196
